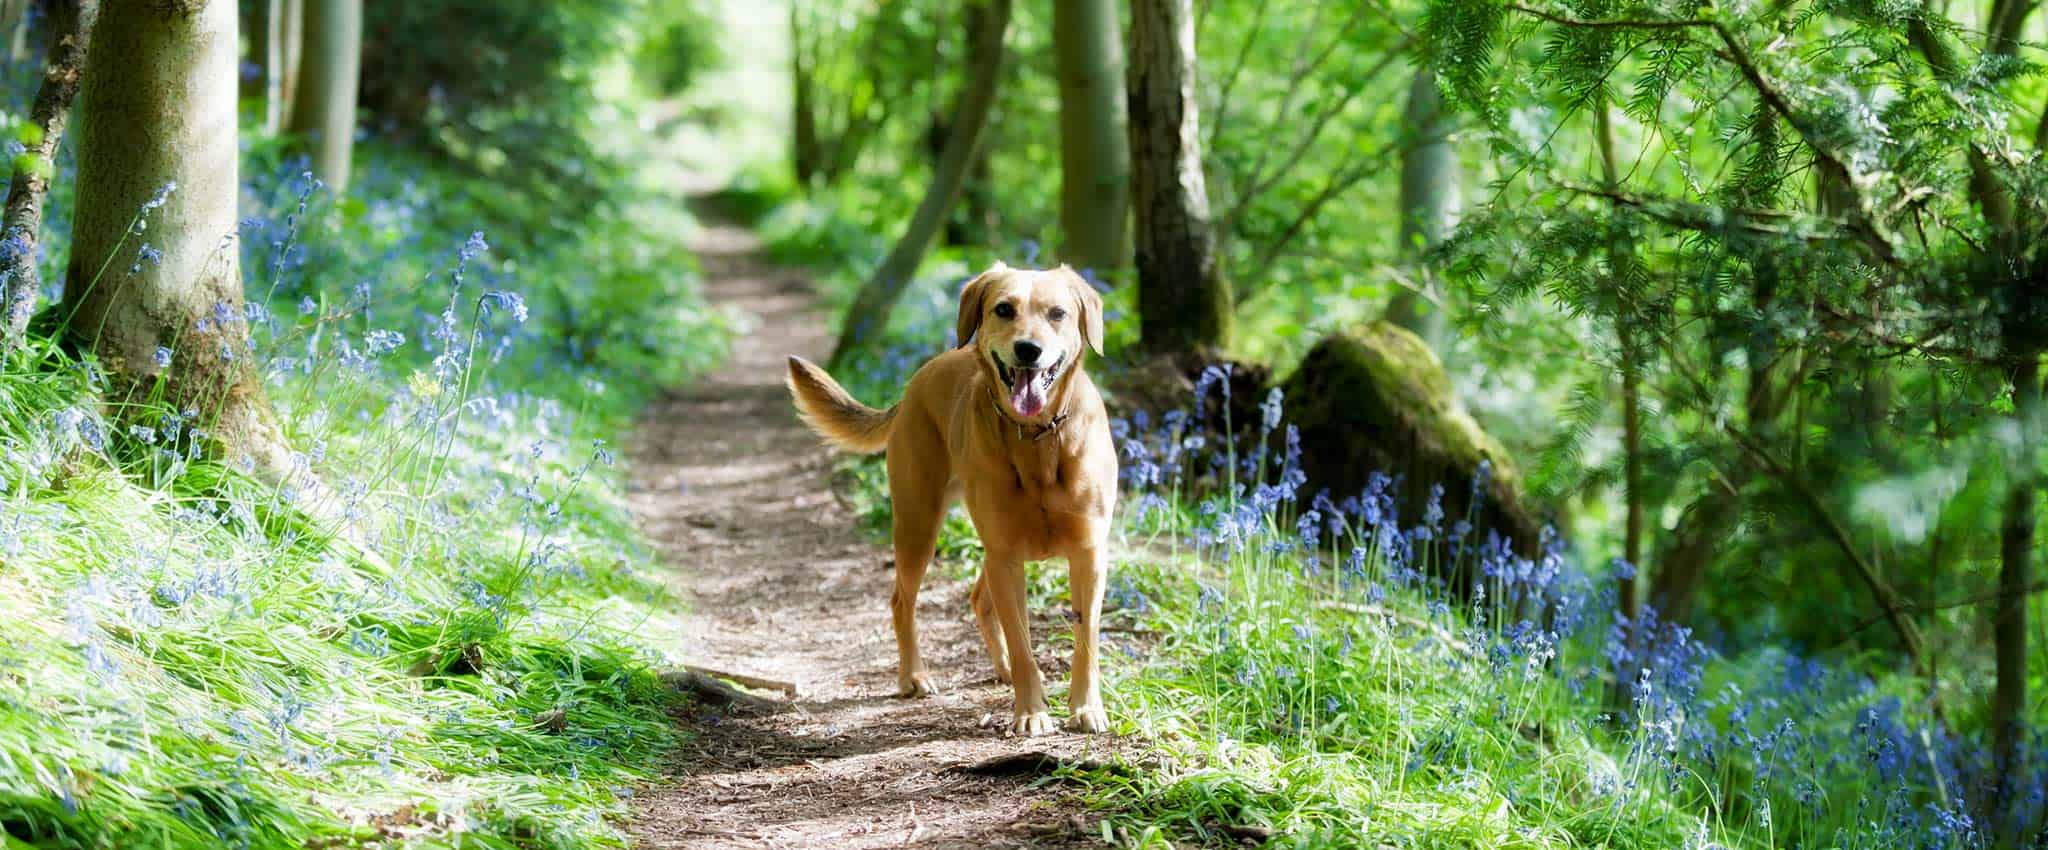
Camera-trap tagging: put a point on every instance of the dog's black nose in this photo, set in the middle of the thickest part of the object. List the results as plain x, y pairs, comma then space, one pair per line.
1027, 352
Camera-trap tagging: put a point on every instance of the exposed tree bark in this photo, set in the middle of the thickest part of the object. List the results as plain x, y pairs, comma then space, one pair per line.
1094, 150
1183, 304
2009, 621
21, 279
156, 139
1429, 205
324, 111
870, 310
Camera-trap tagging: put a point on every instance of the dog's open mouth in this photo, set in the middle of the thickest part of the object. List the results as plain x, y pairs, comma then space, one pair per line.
1028, 386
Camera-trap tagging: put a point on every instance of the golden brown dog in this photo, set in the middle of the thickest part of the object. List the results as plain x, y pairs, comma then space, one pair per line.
1010, 422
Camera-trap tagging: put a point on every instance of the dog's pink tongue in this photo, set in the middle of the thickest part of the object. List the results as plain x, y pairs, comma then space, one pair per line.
1026, 398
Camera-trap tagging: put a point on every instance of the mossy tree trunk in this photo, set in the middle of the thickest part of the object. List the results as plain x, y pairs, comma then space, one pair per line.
1429, 206
21, 281
870, 311
1375, 399
1094, 150
155, 287
324, 110
1184, 305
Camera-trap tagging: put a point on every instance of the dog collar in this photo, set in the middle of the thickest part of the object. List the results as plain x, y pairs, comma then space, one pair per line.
1051, 426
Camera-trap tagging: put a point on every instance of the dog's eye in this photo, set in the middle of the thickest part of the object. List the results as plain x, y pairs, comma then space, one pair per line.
1005, 311
1056, 314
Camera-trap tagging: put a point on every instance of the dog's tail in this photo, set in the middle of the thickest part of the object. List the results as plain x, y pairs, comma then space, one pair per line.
835, 415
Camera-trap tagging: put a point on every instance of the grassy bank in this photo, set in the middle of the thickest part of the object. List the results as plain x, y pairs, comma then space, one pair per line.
190, 661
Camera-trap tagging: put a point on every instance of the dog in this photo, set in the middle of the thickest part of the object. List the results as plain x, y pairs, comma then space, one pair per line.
1010, 423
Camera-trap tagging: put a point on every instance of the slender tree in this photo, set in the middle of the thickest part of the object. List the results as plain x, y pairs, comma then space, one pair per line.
1429, 205
804, 145
870, 310
2015, 575
70, 31
284, 29
155, 286
1094, 150
324, 110
1183, 304
14, 24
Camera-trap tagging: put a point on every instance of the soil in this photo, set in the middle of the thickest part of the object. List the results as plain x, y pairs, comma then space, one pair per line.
784, 584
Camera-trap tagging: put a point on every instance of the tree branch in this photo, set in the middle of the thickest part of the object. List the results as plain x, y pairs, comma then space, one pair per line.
1859, 219
1258, 184
20, 280
1244, 53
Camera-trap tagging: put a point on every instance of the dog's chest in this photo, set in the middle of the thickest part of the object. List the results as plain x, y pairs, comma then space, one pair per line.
1026, 495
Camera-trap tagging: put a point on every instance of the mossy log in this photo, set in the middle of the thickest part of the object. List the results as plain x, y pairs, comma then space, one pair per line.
1376, 399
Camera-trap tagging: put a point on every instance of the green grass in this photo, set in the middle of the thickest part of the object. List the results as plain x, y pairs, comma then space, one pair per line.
188, 661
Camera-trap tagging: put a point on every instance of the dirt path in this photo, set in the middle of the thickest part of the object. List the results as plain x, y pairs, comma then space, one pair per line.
784, 585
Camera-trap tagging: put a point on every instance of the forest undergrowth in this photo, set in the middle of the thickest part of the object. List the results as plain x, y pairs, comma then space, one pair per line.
1308, 676
193, 658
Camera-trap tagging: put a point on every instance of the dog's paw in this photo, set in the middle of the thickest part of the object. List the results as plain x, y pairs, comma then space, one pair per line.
918, 686
1088, 719
1002, 675
1031, 724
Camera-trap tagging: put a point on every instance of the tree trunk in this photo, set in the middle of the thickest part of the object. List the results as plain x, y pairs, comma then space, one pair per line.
803, 106
274, 37
1429, 205
1620, 255
324, 111
156, 139
288, 36
14, 24
70, 31
2009, 621
973, 215
870, 311
255, 28
1183, 304
1094, 150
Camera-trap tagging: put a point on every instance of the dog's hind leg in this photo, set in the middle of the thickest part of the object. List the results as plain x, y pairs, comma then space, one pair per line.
984, 603
917, 495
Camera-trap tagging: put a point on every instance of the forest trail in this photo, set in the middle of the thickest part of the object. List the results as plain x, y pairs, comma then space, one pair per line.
784, 584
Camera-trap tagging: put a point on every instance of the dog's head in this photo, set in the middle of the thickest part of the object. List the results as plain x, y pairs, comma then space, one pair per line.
1029, 329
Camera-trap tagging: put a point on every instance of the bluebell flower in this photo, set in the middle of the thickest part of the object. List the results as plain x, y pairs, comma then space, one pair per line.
1270, 411
508, 301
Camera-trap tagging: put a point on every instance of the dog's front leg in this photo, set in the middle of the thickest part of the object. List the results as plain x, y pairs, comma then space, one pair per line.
1004, 572
1085, 575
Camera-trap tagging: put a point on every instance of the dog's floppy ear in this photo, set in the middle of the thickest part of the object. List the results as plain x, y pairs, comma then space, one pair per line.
970, 301
1091, 308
